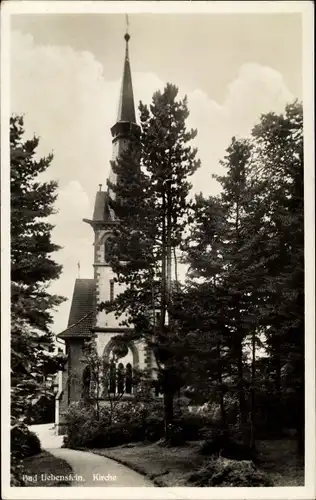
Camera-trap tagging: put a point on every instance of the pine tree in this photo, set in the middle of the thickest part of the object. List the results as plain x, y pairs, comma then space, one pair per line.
32, 270
217, 251
247, 244
279, 140
151, 205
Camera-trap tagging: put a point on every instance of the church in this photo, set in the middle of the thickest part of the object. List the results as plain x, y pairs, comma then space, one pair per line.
85, 320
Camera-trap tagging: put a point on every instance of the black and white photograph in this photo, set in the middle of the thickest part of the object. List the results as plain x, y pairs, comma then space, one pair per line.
158, 238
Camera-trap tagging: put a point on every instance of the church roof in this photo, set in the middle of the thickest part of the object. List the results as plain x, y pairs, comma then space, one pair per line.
126, 110
82, 311
102, 210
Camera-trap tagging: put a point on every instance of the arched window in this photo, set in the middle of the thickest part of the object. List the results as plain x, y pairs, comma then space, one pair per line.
128, 378
112, 385
106, 246
119, 359
120, 378
105, 250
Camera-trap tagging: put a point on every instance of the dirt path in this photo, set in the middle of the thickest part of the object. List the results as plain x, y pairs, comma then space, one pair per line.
89, 469
93, 470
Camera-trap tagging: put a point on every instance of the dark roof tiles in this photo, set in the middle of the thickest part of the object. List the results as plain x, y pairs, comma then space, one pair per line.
82, 311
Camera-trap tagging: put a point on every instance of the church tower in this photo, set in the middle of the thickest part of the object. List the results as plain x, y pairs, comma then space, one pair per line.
123, 132
85, 319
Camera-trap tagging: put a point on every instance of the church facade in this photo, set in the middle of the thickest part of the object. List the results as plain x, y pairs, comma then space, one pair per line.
85, 320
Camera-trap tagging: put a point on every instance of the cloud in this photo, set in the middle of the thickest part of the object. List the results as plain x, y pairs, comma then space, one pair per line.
70, 101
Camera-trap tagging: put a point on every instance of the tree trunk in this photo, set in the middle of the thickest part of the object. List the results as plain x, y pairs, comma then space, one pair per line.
175, 267
278, 393
239, 334
163, 267
241, 397
165, 283
169, 248
221, 395
253, 403
168, 413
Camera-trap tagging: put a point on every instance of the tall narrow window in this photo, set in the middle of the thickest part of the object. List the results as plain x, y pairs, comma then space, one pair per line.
120, 378
111, 290
128, 378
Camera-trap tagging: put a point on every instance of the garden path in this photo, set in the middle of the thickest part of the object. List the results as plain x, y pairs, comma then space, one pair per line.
89, 469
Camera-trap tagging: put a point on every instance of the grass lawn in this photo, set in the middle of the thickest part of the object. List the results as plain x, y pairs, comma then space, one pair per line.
167, 466
172, 466
279, 459
45, 463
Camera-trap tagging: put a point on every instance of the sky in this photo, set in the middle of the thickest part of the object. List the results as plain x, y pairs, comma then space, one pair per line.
65, 79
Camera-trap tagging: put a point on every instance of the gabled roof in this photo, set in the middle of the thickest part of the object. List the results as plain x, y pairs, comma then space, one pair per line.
82, 311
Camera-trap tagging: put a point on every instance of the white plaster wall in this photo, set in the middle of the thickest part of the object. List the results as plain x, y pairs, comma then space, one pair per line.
141, 353
106, 319
104, 275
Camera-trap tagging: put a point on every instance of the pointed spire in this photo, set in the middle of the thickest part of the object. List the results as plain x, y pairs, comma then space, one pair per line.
126, 110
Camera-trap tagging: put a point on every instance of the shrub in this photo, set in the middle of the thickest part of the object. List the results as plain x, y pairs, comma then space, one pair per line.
154, 428
192, 424
43, 412
225, 472
16, 472
100, 436
85, 430
131, 412
24, 443
116, 435
176, 435
220, 442
130, 421
81, 424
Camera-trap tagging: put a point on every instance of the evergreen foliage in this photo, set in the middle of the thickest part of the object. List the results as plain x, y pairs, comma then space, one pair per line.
246, 257
151, 205
32, 270
234, 333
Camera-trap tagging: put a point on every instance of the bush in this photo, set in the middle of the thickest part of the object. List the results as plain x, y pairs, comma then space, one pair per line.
225, 472
97, 435
192, 425
142, 421
43, 412
220, 442
24, 443
154, 428
16, 472
80, 424
85, 430
116, 435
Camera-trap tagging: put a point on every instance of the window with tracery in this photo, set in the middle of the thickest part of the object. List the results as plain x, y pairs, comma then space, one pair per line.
120, 379
120, 370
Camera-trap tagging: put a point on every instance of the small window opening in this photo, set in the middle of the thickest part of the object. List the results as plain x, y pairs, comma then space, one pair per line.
111, 290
